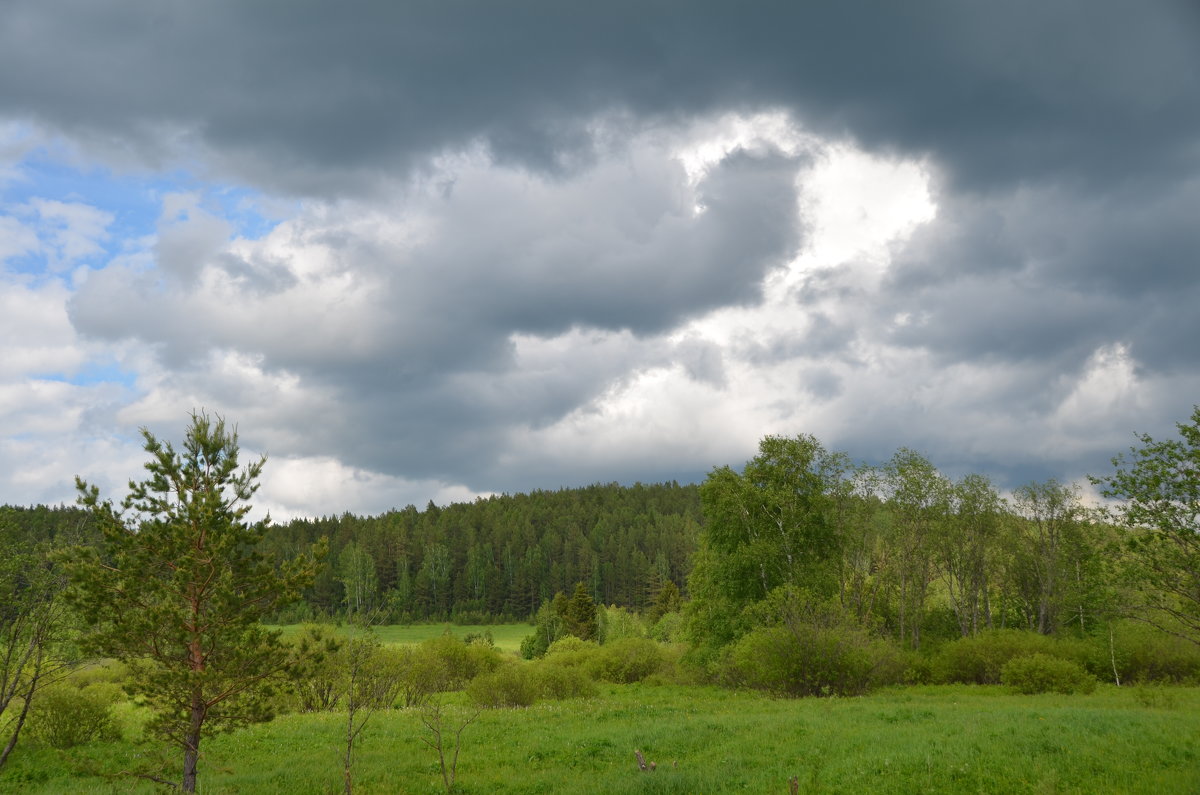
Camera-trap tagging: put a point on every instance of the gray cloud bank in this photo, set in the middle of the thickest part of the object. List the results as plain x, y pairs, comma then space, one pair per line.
482, 180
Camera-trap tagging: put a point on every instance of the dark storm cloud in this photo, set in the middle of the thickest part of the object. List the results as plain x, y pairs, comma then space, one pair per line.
1063, 140
1048, 273
318, 97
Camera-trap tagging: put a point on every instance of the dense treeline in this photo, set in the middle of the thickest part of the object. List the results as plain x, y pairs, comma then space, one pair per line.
500, 557
494, 559
899, 549
808, 565
58, 525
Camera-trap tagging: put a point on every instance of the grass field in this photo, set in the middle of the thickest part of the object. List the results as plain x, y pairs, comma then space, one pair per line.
507, 637
946, 739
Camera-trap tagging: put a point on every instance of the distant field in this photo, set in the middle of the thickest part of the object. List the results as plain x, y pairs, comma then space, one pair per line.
507, 637
949, 739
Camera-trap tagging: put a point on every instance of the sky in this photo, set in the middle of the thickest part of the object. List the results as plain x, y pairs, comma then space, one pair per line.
440, 249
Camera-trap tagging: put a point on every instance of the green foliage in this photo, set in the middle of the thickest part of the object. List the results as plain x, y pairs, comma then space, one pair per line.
372, 674
564, 647
64, 716
510, 685
806, 645
560, 617
579, 614
979, 660
1160, 487
490, 560
617, 622
770, 526
449, 664
1142, 653
1040, 673
356, 573
549, 626
181, 586
668, 629
555, 681
315, 670
34, 629
626, 660
485, 637
918, 504
666, 600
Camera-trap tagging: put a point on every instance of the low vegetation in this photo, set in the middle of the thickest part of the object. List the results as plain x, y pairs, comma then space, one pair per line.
924, 739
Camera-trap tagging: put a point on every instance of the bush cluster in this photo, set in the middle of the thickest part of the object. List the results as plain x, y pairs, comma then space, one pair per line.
523, 684
812, 660
979, 660
396, 675
1143, 654
65, 715
1040, 673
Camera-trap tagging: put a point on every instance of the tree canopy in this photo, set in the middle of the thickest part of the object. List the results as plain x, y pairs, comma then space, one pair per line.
1159, 486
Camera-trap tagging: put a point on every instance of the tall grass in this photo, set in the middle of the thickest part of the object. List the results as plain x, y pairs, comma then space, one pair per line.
934, 739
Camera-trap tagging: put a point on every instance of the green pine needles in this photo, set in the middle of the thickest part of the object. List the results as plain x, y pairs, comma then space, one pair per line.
179, 588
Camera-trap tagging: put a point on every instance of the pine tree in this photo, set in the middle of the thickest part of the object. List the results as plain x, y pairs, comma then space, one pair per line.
580, 615
180, 587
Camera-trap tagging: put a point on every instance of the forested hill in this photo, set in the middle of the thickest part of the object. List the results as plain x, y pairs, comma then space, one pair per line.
495, 558
501, 557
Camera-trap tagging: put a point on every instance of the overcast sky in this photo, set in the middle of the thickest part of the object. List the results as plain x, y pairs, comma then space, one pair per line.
431, 250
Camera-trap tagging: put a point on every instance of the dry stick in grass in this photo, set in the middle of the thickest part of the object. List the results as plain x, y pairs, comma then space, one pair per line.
431, 717
366, 693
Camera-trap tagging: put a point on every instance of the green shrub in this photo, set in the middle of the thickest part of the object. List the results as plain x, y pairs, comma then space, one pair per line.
63, 716
557, 682
1143, 654
315, 671
484, 637
978, 660
571, 644
549, 626
103, 672
571, 652
510, 685
626, 660
810, 660
668, 629
459, 662
1042, 673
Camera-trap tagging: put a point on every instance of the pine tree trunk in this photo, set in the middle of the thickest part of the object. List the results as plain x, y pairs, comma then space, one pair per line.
191, 744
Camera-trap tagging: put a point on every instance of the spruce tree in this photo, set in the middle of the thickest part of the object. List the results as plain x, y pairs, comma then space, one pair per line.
179, 588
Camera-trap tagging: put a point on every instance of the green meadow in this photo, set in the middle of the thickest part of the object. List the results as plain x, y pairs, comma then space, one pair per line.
927, 739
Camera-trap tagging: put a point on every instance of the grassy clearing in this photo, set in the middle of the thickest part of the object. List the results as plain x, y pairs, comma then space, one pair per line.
507, 637
947, 739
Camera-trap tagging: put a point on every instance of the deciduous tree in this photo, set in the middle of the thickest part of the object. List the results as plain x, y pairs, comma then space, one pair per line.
1159, 485
33, 622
